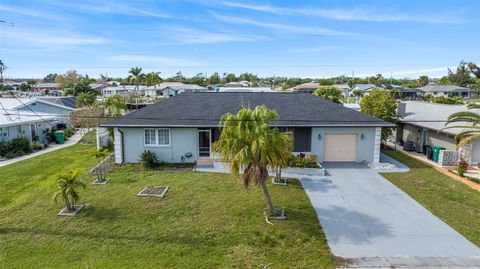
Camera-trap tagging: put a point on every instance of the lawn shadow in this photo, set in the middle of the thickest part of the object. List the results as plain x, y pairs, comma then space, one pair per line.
101, 213
341, 224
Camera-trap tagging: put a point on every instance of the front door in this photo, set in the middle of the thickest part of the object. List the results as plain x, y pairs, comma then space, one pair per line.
204, 143
33, 130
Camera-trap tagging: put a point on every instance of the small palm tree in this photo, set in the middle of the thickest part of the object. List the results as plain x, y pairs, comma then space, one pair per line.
101, 169
67, 188
468, 120
329, 93
136, 76
86, 99
248, 142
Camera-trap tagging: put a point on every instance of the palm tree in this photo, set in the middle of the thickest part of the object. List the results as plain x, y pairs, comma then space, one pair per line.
330, 93
115, 104
249, 142
153, 79
86, 99
136, 76
467, 120
67, 185
101, 168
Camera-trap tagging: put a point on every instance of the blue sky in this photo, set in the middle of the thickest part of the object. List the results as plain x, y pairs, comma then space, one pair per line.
284, 38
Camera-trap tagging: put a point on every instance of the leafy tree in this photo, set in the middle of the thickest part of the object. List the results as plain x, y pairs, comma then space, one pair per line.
422, 81
380, 104
252, 78
467, 120
67, 188
50, 77
31, 82
179, 77
230, 77
198, 79
378, 79
82, 86
248, 141
474, 69
214, 78
330, 93
86, 99
24, 87
153, 79
69, 78
461, 76
325, 82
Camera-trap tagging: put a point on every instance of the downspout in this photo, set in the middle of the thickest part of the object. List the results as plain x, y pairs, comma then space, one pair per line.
121, 144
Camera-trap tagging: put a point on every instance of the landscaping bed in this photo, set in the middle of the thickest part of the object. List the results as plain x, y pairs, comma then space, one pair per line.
205, 221
452, 201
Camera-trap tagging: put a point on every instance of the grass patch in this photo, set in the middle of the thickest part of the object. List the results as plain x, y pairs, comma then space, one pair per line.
205, 221
452, 201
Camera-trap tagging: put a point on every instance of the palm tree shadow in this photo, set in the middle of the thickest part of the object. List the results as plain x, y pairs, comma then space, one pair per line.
348, 226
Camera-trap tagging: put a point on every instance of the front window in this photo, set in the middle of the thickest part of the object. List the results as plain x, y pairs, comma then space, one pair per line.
150, 137
4, 133
156, 137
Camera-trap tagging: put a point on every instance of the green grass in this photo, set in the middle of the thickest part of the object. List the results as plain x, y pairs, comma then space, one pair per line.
205, 221
455, 203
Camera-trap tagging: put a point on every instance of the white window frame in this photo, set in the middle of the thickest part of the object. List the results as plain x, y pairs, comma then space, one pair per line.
169, 137
4, 130
145, 140
157, 137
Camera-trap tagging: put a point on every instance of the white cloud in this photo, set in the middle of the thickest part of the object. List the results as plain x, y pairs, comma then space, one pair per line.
287, 28
28, 12
357, 14
109, 7
164, 61
194, 36
414, 72
318, 49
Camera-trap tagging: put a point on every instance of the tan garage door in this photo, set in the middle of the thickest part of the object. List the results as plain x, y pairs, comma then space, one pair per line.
340, 148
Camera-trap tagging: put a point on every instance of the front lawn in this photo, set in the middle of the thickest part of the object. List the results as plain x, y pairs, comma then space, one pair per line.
204, 221
455, 203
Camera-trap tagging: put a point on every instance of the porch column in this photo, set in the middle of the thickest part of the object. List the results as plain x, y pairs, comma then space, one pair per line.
118, 146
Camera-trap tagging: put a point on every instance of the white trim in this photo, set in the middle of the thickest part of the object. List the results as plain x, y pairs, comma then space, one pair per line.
157, 137
46, 103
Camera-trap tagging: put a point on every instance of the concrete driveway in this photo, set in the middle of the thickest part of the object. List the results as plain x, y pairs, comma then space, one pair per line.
371, 223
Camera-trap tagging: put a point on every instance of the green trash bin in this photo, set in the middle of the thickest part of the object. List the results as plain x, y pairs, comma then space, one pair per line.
436, 152
60, 137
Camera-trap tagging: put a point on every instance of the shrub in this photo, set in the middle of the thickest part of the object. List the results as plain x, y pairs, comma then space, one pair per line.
462, 166
37, 145
69, 132
20, 143
311, 160
297, 161
10, 155
148, 159
19, 153
3, 148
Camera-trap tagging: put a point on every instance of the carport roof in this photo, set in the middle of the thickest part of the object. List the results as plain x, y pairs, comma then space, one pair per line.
204, 109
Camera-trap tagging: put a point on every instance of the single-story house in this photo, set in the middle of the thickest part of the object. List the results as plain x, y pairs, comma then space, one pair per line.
344, 88
244, 89
15, 123
404, 92
447, 91
422, 123
308, 87
169, 89
61, 107
364, 88
47, 87
183, 128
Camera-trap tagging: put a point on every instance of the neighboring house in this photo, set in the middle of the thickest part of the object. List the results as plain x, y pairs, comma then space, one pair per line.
447, 91
244, 89
169, 89
422, 123
183, 128
98, 86
404, 92
120, 90
364, 88
47, 87
15, 123
308, 87
344, 88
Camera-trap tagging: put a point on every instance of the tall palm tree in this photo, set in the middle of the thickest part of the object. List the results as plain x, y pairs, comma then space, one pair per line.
330, 93
86, 99
248, 142
67, 185
136, 76
468, 120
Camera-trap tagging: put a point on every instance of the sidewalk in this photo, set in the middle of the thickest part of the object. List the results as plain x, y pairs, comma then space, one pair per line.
52, 147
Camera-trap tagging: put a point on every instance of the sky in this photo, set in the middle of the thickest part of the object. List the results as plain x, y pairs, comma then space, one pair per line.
283, 38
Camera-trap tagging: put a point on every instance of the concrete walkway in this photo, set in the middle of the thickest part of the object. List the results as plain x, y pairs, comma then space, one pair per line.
371, 223
52, 147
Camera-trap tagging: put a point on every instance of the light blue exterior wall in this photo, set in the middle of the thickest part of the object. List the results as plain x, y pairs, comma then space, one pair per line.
182, 141
24, 130
45, 108
365, 147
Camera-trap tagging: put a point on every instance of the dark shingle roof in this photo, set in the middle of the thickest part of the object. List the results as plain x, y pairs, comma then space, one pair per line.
68, 101
205, 109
